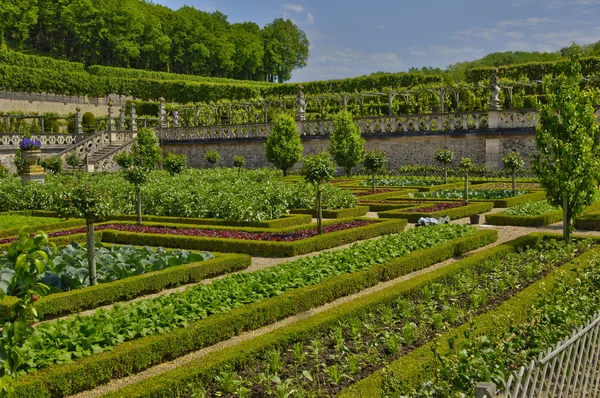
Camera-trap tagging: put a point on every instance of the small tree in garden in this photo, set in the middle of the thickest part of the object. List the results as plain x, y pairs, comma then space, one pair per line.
27, 260
212, 157
346, 144
90, 200
19, 161
513, 163
74, 161
284, 146
374, 162
466, 165
445, 157
144, 158
239, 162
175, 164
568, 156
53, 164
318, 169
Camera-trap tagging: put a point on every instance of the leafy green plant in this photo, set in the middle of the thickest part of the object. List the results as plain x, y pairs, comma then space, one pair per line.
513, 163
531, 208
346, 144
284, 146
175, 164
466, 165
19, 161
212, 157
445, 157
53, 164
474, 194
568, 162
318, 169
374, 162
74, 160
88, 121
239, 162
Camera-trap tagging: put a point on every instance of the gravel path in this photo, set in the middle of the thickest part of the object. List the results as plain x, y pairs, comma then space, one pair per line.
505, 233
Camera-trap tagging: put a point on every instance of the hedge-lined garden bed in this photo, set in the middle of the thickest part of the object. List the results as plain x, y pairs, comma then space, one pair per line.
438, 196
588, 222
523, 219
357, 211
320, 354
354, 269
453, 210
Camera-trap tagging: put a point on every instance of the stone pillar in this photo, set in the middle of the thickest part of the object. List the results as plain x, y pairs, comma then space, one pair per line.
492, 153
300, 105
111, 116
162, 114
78, 121
176, 119
132, 119
121, 123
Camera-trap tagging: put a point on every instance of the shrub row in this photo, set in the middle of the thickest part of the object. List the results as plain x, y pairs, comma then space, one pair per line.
588, 222
414, 367
20, 59
386, 195
125, 289
357, 211
548, 218
285, 221
458, 212
256, 247
47, 227
498, 203
388, 206
137, 355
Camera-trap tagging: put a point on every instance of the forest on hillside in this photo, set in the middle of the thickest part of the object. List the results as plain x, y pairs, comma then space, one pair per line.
139, 34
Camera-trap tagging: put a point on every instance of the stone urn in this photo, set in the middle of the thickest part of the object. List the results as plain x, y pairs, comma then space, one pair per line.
33, 171
32, 157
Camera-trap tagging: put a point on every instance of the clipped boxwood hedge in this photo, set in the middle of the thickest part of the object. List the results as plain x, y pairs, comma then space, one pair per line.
588, 222
356, 211
386, 195
548, 218
498, 203
257, 247
125, 289
388, 206
458, 212
134, 356
414, 367
285, 221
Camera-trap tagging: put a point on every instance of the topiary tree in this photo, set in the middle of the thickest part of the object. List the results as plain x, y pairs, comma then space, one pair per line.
74, 160
346, 144
374, 162
53, 164
568, 158
445, 157
88, 122
144, 157
175, 164
88, 199
212, 157
513, 163
284, 146
318, 169
239, 162
466, 165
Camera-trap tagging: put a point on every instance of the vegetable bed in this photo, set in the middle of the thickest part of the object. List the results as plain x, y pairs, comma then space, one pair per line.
534, 214
453, 210
320, 355
500, 198
245, 302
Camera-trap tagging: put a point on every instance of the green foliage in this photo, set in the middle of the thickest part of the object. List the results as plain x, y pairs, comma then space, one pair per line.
466, 165
513, 162
284, 146
375, 161
74, 160
88, 122
17, 221
318, 169
567, 139
19, 161
53, 164
145, 150
531, 208
286, 49
444, 156
346, 144
473, 193
175, 164
239, 161
124, 160
84, 198
212, 156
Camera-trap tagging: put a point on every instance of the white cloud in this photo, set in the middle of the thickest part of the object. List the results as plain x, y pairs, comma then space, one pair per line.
310, 19
294, 7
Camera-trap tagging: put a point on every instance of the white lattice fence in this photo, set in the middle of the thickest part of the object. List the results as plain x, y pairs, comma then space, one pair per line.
570, 369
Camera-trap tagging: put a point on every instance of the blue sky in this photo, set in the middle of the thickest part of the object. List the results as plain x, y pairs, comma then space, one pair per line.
356, 37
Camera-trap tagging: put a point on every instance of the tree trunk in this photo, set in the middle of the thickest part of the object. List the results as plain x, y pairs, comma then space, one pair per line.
91, 248
373, 190
514, 183
466, 194
239, 171
349, 172
566, 219
445, 173
138, 210
319, 211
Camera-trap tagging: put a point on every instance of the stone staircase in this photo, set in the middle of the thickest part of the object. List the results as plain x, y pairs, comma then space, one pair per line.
100, 150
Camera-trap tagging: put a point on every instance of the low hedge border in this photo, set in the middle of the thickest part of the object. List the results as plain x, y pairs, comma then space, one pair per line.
418, 188
285, 221
257, 247
387, 207
137, 355
498, 203
74, 223
386, 195
125, 289
588, 222
458, 212
357, 211
413, 367
548, 218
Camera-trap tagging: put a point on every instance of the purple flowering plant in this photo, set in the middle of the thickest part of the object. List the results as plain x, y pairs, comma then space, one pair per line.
27, 144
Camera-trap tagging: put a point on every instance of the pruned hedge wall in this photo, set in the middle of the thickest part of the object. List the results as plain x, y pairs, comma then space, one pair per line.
458, 212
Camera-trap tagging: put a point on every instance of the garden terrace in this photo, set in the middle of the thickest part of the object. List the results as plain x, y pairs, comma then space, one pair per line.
236, 303
416, 366
369, 330
453, 210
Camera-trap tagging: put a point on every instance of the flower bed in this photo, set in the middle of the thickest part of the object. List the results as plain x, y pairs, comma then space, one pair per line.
452, 210
370, 192
402, 182
339, 213
308, 282
325, 352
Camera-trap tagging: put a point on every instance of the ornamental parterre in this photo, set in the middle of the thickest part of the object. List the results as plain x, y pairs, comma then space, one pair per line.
434, 208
